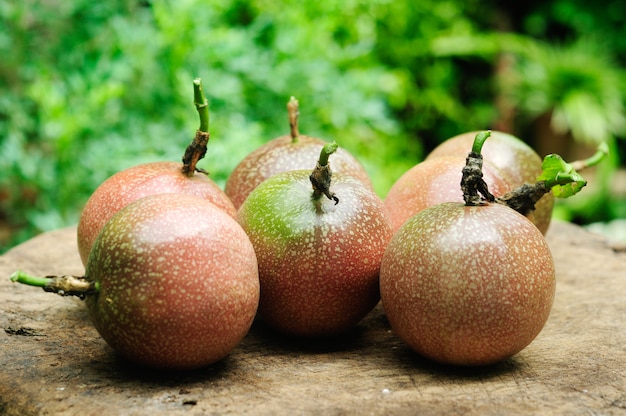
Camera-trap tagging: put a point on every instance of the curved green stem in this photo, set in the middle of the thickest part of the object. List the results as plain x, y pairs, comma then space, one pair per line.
62, 285
198, 146
327, 150
597, 157
479, 141
321, 175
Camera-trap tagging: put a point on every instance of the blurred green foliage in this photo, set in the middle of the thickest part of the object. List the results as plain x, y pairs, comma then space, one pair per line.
90, 88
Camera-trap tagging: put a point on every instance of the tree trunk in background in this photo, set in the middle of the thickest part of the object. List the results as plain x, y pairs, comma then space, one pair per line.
505, 106
503, 66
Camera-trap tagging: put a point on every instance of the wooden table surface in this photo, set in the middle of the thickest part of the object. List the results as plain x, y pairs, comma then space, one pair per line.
52, 361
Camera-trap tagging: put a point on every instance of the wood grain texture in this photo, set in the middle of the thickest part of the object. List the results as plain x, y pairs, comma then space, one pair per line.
52, 361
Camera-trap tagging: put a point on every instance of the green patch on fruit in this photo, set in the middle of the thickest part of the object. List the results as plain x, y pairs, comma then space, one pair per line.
288, 193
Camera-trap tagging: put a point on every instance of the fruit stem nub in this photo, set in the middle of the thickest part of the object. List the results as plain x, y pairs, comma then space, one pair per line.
321, 175
198, 146
472, 183
61, 285
293, 112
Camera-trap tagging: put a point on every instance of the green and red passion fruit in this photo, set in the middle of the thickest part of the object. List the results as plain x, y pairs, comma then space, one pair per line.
177, 282
468, 284
319, 257
171, 282
153, 178
283, 154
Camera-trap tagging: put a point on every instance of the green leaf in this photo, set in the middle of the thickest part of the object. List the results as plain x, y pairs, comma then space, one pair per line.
561, 177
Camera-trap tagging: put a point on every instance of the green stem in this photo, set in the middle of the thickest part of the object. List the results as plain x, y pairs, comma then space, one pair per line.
202, 105
561, 178
198, 146
479, 141
597, 157
27, 279
327, 150
321, 175
62, 285
293, 112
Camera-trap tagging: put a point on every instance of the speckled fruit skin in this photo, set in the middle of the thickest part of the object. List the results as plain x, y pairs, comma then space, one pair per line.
517, 161
318, 270
136, 182
467, 285
178, 282
282, 155
432, 182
